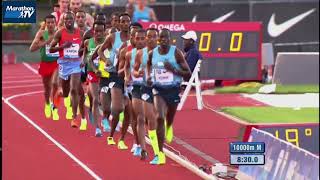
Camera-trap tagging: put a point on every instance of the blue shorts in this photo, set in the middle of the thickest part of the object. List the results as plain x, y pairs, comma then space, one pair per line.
66, 68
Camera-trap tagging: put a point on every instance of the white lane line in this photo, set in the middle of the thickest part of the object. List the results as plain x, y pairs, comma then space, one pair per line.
31, 85
86, 168
30, 68
23, 94
21, 81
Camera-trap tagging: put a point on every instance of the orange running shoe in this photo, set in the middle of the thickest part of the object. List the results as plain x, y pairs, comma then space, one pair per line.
75, 123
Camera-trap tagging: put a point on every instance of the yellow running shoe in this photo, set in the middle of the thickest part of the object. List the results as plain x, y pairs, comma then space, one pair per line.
162, 158
55, 115
69, 113
83, 125
87, 101
47, 110
110, 141
169, 134
67, 101
122, 145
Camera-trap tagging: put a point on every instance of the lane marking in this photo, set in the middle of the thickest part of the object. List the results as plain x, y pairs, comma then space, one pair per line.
86, 168
30, 68
21, 81
31, 85
23, 94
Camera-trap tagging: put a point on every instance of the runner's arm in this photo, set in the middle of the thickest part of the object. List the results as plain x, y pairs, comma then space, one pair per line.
38, 41
85, 50
149, 68
122, 60
107, 44
86, 36
127, 66
55, 41
137, 62
153, 16
94, 56
184, 70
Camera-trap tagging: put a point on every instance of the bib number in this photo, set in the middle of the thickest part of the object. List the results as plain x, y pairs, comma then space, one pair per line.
56, 54
72, 51
163, 76
105, 89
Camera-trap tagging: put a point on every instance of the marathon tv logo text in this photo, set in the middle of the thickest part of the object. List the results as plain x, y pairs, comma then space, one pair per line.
19, 11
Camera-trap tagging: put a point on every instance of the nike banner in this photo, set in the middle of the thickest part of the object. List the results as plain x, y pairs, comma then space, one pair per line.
288, 22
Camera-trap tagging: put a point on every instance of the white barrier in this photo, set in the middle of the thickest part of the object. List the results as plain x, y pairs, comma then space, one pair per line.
283, 161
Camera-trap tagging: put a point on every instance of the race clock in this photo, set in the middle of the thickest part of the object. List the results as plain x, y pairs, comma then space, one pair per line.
231, 50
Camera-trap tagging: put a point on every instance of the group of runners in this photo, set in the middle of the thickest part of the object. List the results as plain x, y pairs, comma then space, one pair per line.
121, 68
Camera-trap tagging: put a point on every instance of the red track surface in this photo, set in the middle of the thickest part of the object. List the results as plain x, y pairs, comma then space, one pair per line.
28, 153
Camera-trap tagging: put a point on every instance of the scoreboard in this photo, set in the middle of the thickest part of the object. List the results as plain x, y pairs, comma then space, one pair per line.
230, 50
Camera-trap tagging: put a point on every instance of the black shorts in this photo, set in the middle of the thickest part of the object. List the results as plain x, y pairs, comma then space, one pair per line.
136, 92
146, 94
116, 82
104, 85
84, 75
170, 95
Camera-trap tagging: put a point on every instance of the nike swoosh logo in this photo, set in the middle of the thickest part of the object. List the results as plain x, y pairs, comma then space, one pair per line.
75, 39
276, 30
219, 19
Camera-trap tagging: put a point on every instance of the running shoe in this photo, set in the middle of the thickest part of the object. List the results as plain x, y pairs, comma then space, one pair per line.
105, 125
98, 132
134, 146
75, 123
110, 141
69, 113
155, 160
91, 117
162, 158
169, 134
144, 155
83, 125
47, 110
137, 151
55, 114
122, 145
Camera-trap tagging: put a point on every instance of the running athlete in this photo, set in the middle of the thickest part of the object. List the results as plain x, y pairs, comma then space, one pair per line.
69, 40
75, 6
139, 71
93, 78
169, 67
128, 111
63, 7
115, 22
100, 17
80, 20
105, 95
137, 105
48, 66
113, 43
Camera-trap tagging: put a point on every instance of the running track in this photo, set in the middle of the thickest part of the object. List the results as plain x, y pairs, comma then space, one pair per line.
30, 154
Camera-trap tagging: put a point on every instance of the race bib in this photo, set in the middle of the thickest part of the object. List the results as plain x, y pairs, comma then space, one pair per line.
111, 84
139, 79
163, 76
145, 97
96, 62
105, 89
56, 54
72, 51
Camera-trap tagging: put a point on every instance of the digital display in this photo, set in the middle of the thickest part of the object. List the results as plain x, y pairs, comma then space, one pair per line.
230, 50
304, 135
